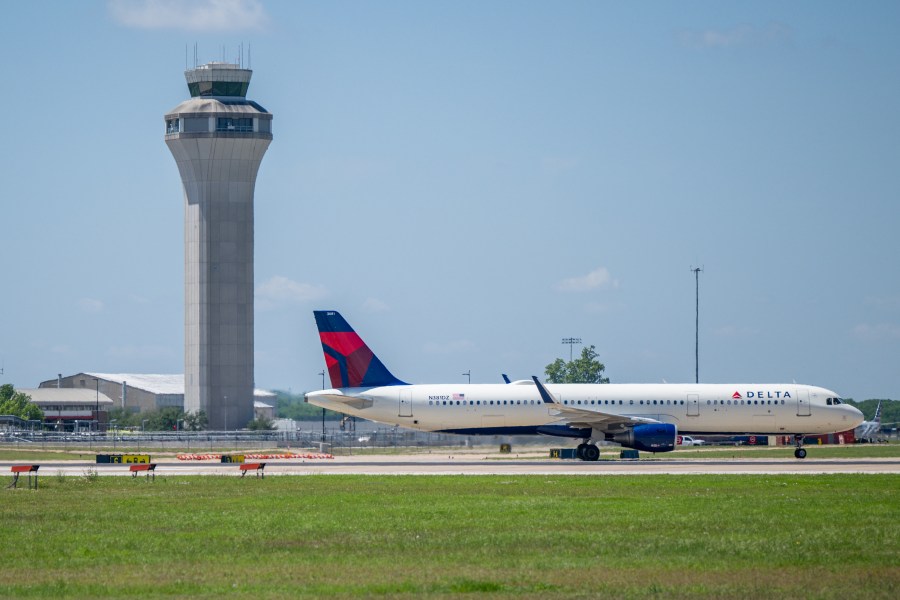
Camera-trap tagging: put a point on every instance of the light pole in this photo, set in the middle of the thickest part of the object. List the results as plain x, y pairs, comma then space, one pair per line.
571, 341
696, 272
469, 375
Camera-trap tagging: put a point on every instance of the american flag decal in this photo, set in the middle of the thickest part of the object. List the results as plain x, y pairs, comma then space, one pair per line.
459, 396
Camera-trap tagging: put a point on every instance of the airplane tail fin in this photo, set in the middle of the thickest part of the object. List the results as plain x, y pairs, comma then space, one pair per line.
878, 414
349, 360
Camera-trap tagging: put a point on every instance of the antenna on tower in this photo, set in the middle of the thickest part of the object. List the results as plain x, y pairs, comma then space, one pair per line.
249, 62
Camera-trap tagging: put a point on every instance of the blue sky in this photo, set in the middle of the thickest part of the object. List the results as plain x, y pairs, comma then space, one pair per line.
470, 182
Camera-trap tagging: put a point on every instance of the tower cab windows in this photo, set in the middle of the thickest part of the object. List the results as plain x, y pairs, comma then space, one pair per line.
218, 88
244, 125
173, 125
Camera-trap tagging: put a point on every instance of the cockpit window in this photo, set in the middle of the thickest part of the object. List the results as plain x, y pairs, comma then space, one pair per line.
828, 401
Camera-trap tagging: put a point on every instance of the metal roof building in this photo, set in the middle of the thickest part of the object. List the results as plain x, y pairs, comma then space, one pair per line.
137, 392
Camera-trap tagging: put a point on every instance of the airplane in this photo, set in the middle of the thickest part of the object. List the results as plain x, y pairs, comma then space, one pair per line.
868, 430
644, 417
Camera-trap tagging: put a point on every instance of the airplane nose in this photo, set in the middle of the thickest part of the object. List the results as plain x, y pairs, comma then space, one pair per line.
857, 415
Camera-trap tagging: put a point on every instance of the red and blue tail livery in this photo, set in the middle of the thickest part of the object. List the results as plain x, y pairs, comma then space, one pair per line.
350, 362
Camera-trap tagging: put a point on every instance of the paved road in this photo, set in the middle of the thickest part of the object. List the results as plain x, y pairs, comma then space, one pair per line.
469, 465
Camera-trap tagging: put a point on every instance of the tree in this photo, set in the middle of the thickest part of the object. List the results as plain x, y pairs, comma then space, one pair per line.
18, 404
197, 421
584, 369
261, 424
164, 419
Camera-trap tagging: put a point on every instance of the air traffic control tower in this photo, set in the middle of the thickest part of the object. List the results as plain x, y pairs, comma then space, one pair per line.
218, 139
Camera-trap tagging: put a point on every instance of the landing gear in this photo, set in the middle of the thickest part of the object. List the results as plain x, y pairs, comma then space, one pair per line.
799, 451
588, 452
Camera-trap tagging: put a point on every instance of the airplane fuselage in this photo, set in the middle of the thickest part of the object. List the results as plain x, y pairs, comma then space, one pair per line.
517, 408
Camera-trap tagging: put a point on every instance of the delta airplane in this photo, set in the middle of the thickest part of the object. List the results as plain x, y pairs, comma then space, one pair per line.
645, 417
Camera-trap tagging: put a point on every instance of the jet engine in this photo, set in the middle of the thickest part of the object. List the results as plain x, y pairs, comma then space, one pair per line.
652, 437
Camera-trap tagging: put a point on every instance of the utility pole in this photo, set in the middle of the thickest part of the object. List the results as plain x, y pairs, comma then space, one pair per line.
696, 271
571, 341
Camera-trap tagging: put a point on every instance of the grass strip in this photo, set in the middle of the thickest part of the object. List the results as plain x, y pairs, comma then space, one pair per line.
823, 536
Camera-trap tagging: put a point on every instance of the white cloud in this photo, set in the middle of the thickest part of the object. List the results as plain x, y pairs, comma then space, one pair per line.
597, 278
876, 333
374, 305
773, 34
190, 15
452, 347
280, 291
90, 305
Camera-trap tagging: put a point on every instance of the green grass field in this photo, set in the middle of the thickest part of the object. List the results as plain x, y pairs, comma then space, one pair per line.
816, 536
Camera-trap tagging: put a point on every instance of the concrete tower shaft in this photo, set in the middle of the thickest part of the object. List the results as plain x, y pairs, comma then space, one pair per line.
218, 139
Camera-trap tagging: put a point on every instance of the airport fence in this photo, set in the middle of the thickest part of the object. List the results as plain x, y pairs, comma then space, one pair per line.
369, 439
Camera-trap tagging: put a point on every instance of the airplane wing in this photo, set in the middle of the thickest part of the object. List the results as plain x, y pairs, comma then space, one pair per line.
583, 418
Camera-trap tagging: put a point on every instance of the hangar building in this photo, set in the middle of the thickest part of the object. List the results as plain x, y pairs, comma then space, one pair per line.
140, 392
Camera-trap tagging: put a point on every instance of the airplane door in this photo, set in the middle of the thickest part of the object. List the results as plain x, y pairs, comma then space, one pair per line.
693, 405
803, 403
405, 403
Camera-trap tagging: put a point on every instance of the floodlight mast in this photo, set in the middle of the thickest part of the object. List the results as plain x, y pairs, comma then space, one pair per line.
571, 341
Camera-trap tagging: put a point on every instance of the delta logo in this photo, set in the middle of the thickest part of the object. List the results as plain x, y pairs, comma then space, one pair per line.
761, 394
